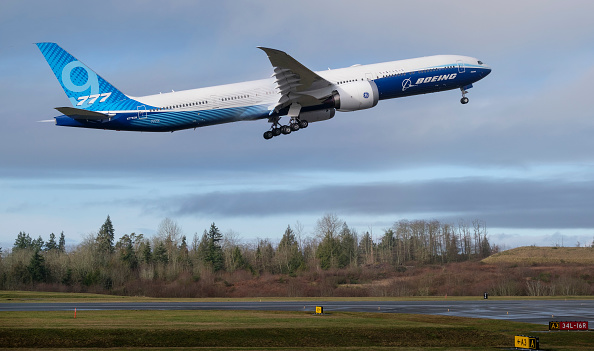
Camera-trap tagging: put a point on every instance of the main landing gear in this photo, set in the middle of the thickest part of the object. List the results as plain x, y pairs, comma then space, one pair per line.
464, 99
278, 129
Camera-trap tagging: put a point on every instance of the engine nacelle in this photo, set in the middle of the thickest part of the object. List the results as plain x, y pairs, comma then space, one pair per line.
355, 96
317, 115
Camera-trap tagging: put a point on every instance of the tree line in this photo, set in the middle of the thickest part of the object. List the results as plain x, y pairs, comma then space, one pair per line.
102, 264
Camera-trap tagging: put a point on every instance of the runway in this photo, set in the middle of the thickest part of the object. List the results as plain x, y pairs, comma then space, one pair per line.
530, 311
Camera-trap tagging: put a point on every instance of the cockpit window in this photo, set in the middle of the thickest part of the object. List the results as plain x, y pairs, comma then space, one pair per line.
480, 62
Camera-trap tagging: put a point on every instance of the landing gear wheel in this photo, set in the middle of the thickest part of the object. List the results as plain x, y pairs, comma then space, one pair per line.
268, 135
295, 127
464, 100
285, 130
303, 123
276, 131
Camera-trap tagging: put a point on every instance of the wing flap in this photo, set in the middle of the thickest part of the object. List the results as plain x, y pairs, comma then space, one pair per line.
293, 80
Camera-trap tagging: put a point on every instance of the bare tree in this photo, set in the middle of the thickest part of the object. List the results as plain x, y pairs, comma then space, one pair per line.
230, 242
169, 233
327, 230
329, 225
299, 232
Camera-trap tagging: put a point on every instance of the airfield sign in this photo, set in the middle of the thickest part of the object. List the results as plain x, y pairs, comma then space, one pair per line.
568, 325
526, 342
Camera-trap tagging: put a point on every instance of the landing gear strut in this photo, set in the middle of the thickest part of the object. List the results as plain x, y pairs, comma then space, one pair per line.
464, 99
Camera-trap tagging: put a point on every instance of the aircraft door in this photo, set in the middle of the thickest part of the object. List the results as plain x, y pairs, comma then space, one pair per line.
461, 68
141, 112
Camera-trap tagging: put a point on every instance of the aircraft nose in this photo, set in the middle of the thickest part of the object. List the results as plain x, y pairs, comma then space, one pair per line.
486, 70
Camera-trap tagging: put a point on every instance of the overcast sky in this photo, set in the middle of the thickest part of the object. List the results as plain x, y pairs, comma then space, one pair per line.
519, 156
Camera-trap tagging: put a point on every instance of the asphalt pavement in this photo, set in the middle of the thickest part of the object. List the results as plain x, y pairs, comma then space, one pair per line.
531, 311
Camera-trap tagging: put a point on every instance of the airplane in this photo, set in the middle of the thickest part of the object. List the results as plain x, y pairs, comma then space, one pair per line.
293, 90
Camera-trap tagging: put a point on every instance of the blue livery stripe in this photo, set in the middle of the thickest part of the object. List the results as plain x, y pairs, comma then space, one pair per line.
171, 120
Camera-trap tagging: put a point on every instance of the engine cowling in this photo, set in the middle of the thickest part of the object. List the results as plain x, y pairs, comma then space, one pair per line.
317, 115
355, 96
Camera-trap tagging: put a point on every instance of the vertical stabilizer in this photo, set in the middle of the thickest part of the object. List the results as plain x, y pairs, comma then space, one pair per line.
85, 89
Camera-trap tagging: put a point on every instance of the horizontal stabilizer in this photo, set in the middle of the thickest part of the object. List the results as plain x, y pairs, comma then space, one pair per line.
77, 113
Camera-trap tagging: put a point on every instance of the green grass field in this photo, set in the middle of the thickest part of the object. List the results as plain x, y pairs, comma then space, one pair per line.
130, 330
273, 330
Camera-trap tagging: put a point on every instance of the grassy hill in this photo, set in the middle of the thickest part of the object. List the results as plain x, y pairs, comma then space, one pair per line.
531, 255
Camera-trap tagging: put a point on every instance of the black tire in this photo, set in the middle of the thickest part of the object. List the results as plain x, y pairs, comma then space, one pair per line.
286, 130
268, 135
295, 127
303, 123
276, 132
464, 100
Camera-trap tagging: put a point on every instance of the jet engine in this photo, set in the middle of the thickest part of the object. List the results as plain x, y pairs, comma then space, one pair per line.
355, 96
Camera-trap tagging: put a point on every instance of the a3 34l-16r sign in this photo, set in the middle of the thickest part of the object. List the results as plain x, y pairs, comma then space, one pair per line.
572, 325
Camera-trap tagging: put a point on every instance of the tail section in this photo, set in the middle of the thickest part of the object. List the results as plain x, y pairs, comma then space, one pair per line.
85, 88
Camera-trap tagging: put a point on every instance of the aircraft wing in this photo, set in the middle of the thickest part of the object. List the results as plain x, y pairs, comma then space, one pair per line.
77, 113
294, 80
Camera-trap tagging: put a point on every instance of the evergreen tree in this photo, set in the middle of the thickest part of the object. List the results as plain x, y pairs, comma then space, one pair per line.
238, 261
348, 247
183, 247
62, 243
105, 237
67, 279
259, 265
184, 253
146, 254
37, 244
160, 253
202, 250
23, 241
214, 254
264, 256
37, 269
288, 256
485, 248
366, 248
126, 248
328, 252
51, 244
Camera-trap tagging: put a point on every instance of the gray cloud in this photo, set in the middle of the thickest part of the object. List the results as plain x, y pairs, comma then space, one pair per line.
509, 203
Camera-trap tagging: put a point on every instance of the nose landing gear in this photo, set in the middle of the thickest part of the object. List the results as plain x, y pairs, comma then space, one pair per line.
464, 99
